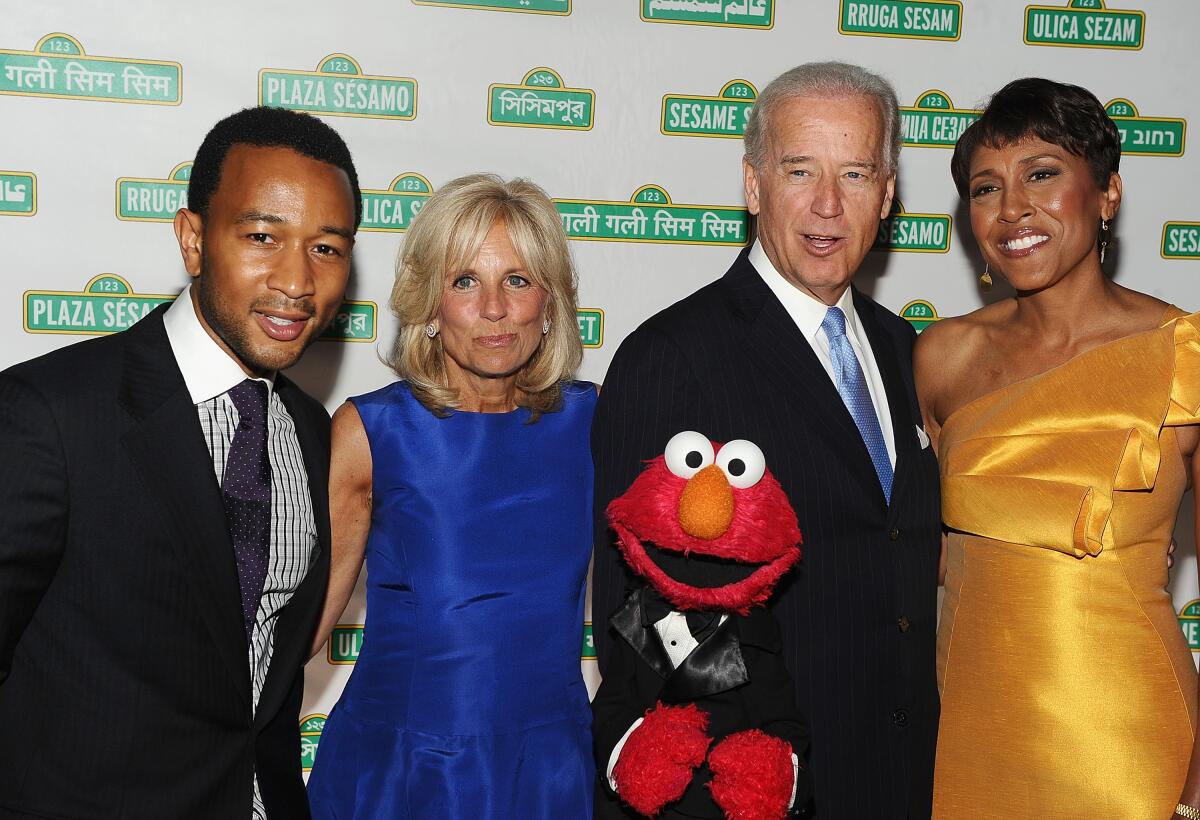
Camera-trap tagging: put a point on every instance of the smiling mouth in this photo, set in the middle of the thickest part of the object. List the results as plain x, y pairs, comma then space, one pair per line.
1024, 243
699, 570
282, 328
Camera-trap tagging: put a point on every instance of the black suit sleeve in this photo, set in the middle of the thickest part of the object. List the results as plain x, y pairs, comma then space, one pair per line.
780, 717
618, 703
649, 395
775, 707
33, 508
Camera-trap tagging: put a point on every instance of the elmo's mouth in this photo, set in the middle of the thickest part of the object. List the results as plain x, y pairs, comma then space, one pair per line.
697, 569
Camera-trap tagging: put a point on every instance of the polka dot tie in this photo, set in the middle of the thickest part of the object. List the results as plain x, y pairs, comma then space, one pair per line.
852, 385
246, 491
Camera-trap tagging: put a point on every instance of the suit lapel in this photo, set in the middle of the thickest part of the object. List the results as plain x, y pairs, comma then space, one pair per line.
167, 445
628, 623
903, 424
293, 632
786, 359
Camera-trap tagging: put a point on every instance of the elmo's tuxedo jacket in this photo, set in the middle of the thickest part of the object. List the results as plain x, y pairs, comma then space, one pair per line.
736, 675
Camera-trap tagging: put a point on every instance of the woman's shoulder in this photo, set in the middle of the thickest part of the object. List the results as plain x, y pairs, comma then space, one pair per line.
576, 390
388, 394
578, 401
958, 336
948, 350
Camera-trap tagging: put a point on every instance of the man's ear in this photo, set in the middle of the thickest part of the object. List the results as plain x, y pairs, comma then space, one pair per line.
888, 196
189, 232
750, 182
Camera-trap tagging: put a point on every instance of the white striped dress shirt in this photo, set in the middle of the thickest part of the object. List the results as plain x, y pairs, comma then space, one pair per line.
209, 373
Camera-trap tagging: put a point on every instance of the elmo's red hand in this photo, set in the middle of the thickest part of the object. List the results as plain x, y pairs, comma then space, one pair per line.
752, 776
660, 756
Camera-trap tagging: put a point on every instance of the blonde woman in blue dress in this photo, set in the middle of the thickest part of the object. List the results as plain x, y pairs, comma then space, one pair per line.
468, 487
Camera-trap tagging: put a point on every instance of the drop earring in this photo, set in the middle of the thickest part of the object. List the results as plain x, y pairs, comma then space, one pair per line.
545, 326
430, 330
985, 278
1103, 238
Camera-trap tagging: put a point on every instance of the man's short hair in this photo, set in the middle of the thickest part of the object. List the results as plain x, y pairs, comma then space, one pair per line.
1058, 113
834, 80
264, 127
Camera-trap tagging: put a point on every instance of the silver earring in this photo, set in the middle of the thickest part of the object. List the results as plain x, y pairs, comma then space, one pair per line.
985, 278
1103, 238
545, 326
430, 330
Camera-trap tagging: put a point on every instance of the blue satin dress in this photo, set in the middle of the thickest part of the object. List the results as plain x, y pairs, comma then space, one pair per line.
467, 699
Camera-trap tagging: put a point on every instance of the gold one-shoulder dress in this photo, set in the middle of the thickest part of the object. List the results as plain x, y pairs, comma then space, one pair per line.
1067, 688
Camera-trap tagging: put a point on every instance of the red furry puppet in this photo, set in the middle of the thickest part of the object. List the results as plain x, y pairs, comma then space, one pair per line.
696, 714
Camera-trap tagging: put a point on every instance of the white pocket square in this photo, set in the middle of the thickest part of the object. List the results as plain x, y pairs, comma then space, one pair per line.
922, 437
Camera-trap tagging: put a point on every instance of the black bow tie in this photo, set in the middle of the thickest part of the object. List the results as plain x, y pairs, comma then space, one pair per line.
654, 608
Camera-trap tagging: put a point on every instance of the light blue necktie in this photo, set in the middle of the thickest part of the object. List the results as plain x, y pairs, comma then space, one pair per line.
852, 385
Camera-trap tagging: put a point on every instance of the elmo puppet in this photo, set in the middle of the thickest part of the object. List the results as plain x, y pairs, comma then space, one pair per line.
696, 714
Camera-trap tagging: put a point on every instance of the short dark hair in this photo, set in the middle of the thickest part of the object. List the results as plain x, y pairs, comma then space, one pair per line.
1058, 113
264, 127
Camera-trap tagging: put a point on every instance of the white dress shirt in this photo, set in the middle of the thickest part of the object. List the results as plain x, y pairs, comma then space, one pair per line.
808, 313
209, 373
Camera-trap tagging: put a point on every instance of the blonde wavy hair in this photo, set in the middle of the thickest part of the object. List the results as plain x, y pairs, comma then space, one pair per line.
445, 238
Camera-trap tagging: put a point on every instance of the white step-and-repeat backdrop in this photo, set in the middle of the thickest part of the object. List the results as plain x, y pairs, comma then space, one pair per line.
628, 112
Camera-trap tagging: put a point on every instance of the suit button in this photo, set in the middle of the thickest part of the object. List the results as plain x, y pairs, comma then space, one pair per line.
903, 623
900, 717
894, 535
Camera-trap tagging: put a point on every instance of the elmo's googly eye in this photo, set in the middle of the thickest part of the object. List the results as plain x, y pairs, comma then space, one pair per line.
688, 453
742, 462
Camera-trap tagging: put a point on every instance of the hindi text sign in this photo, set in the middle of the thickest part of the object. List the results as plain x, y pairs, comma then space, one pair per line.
58, 67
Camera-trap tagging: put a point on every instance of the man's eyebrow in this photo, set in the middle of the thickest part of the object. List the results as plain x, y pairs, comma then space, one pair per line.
247, 217
258, 216
854, 163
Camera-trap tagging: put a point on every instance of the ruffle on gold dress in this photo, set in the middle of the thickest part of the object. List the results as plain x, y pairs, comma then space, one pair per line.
1067, 688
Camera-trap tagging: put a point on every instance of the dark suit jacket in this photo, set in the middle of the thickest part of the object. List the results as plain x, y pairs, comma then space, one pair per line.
736, 676
859, 615
124, 680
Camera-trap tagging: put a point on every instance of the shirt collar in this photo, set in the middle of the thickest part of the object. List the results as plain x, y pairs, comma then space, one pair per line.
806, 312
208, 371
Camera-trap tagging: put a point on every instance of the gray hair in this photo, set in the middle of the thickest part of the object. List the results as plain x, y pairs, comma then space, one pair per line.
831, 79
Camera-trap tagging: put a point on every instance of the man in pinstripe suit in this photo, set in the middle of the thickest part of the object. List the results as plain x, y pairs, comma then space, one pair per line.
783, 351
164, 524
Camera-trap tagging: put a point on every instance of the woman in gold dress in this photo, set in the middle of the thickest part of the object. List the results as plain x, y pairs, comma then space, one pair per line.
1065, 420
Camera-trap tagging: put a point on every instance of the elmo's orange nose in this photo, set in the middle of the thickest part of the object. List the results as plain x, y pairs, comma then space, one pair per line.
706, 506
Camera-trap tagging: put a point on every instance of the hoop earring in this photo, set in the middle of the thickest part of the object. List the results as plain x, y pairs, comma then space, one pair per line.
545, 326
430, 330
985, 278
1103, 238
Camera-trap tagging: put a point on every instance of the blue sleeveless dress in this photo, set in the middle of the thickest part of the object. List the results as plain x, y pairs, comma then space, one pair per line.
467, 699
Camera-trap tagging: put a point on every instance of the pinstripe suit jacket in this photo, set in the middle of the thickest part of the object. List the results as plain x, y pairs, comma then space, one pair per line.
124, 683
859, 614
